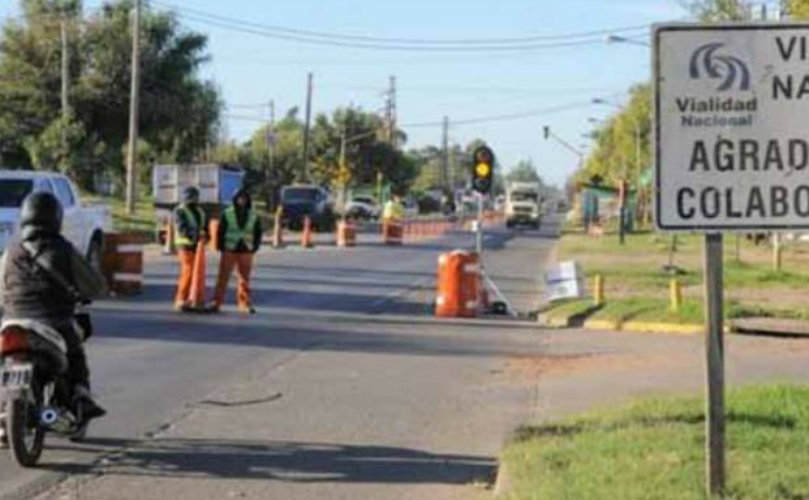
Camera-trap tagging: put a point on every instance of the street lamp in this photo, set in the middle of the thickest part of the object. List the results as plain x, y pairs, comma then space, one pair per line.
548, 134
611, 38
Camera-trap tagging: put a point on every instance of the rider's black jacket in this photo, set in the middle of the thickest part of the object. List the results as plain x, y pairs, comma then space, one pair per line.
29, 289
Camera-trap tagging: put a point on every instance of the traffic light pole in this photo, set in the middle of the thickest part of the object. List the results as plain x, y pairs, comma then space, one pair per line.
479, 231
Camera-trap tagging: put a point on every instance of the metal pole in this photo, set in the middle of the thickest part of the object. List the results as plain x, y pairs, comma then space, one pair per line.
342, 171
715, 364
307, 128
271, 143
134, 104
445, 153
479, 232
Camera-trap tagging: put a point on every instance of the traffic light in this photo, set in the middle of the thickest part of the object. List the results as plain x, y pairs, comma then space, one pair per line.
482, 170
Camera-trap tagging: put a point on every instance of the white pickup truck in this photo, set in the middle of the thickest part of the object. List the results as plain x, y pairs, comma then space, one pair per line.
83, 226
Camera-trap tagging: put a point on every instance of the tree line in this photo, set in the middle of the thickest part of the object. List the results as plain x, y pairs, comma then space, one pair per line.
181, 113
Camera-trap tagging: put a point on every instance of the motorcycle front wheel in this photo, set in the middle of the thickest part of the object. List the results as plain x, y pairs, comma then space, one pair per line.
26, 436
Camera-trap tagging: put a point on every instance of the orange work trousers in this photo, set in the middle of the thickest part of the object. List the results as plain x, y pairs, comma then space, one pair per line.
186, 258
243, 262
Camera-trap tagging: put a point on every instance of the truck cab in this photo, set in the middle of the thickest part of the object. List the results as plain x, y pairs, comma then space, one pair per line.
523, 205
83, 226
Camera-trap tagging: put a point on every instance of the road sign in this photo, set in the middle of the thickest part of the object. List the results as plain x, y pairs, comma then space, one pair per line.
731, 122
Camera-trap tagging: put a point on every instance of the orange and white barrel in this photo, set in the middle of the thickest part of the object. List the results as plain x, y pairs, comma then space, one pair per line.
458, 285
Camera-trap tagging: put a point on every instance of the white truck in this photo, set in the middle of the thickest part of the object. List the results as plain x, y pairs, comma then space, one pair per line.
84, 226
523, 204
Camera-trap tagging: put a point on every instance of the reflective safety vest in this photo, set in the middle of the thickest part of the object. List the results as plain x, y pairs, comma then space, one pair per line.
236, 234
182, 240
393, 210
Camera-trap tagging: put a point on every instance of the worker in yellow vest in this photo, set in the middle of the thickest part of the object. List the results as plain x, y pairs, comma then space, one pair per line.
239, 238
393, 210
189, 228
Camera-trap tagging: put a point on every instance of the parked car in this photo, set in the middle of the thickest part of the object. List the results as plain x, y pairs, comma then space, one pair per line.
302, 200
362, 207
83, 226
411, 208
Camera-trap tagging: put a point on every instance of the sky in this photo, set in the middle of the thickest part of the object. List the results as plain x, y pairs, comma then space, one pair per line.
550, 85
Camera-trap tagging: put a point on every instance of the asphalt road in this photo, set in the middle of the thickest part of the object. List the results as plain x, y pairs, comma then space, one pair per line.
342, 357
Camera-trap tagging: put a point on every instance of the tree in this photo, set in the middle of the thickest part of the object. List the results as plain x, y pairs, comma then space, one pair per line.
524, 171
179, 112
796, 9
721, 10
367, 152
619, 140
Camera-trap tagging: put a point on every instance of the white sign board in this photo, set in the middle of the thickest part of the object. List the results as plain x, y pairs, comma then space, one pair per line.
732, 127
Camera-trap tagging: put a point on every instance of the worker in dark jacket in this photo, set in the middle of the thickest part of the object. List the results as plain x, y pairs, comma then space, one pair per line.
189, 228
43, 278
238, 239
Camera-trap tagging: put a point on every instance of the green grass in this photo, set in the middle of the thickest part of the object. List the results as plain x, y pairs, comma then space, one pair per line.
635, 278
650, 309
653, 449
143, 221
568, 307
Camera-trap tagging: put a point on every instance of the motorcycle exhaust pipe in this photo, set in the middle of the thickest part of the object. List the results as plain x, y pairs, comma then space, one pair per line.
55, 420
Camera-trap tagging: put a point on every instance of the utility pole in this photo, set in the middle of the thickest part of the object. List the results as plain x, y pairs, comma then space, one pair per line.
392, 113
65, 70
445, 152
307, 127
134, 104
271, 138
65, 76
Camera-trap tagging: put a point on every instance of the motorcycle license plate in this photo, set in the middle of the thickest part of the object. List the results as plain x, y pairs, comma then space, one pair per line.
16, 376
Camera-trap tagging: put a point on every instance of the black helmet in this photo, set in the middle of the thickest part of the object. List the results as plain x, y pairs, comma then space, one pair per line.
190, 194
41, 211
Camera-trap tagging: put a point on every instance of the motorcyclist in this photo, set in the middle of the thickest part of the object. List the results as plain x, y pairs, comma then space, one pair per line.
43, 278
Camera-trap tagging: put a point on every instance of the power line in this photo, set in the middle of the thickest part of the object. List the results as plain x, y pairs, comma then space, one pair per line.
405, 41
504, 117
345, 41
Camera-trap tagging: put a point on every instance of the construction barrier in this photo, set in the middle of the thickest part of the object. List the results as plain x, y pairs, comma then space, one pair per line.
346, 234
197, 296
213, 234
458, 287
392, 232
306, 235
123, 262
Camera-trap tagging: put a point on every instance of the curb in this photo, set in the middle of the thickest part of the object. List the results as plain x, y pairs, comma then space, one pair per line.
502, 481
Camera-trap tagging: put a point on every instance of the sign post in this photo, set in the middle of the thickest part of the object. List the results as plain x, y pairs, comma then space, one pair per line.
731, 154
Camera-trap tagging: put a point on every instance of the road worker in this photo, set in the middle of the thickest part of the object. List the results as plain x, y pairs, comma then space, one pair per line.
393, 210
190, 228
239, 238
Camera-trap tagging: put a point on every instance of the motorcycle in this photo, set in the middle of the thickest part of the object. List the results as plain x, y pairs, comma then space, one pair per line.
35, 397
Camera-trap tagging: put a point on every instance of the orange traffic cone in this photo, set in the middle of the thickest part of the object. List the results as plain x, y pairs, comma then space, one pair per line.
306, 236
197, 298
278, 229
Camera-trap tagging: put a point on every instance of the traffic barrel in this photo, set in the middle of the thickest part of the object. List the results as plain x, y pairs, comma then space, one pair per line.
122, 263
197, 296
457, 293
306, 235
392, 232
346, 233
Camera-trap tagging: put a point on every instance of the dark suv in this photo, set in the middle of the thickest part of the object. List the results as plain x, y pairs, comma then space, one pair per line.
300, 201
